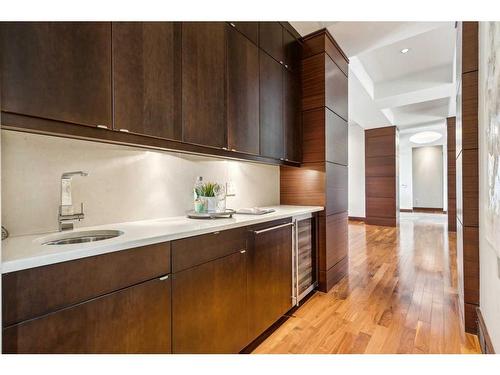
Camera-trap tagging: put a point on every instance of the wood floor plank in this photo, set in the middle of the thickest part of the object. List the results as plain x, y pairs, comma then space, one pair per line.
400, 296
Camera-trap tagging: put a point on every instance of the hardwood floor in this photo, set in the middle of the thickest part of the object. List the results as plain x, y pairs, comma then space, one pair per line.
400, 296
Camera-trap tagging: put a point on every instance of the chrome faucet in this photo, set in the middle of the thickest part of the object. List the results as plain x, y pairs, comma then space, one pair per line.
66, 213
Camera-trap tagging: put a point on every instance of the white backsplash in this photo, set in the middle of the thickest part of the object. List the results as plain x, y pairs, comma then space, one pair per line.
124, 183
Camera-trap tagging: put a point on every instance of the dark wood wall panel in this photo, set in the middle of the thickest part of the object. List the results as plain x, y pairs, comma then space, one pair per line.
451, 173
313, 135
466, 170
313, 82
319, 42
470, 187
336, 138
304, 185
335, 88
333, 239
469, 110
381, 187
381, 176
380, 166
336, 188
470, 43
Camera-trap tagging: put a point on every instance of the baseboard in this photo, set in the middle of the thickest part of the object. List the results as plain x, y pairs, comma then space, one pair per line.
357, 218
483, 335
405, 210
430, 210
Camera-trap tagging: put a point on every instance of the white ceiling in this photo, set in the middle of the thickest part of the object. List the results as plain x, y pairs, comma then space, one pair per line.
387, 87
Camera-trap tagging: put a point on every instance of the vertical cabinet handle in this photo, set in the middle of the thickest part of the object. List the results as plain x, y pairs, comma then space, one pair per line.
232, 24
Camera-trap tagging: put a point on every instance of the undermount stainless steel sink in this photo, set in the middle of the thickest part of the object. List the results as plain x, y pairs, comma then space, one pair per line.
82, 236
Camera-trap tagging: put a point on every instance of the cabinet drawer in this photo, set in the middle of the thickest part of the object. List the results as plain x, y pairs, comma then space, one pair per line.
192, 251
131, 320
37, 291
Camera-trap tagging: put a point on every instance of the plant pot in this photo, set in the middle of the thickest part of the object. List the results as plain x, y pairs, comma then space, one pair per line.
210, 203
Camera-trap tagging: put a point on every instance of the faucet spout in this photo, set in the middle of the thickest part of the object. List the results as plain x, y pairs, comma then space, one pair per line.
66, 213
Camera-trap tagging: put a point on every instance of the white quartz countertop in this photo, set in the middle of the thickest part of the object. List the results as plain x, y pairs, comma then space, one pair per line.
24, 252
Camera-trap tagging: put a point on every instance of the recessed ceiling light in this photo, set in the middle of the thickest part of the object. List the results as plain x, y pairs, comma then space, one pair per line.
425, 137
404, 50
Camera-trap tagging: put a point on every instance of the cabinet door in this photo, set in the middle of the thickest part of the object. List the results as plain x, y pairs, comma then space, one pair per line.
209, 307
144, 78
271, 93
336, 85
292, 116
57, 70
269, 277
203, 83
132, 320
271, 39
243, 93
249, 29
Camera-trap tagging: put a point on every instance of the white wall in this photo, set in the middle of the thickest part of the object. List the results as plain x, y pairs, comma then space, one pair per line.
124, 183
405, 165
356, 180
488, 257
427, 176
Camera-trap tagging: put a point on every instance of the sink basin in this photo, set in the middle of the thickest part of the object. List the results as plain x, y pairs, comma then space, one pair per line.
82, 237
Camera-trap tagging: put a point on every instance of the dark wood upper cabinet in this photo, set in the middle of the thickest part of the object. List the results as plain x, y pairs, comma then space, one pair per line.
131, 320
242, 93
271, 39
271, 97
57, 70
292, 116
203, 83
145, 78
249, 29
292, 51
210, 307
269, 275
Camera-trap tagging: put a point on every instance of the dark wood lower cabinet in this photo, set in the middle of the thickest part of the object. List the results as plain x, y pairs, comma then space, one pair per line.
226, 289
132, 320
210, 307
269, 276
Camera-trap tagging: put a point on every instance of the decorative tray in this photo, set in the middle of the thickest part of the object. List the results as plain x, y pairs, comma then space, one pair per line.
228, 213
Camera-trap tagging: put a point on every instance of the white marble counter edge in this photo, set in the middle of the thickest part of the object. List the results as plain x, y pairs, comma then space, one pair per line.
66, 253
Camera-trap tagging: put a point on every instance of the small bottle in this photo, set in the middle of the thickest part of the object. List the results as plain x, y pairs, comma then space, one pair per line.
198, 205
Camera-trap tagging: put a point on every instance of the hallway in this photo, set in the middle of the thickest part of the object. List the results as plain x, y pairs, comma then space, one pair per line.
400, 296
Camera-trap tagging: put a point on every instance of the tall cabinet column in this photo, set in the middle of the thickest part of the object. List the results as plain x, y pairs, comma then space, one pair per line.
381, 176
322, 177
467, 166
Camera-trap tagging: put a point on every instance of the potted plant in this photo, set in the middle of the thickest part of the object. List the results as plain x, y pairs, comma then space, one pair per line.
207, 193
